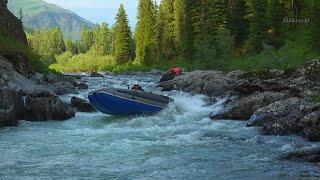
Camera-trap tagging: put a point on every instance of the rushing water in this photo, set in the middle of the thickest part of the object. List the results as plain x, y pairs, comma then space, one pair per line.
179, 143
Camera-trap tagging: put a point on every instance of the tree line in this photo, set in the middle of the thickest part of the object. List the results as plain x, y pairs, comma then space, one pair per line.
188, 29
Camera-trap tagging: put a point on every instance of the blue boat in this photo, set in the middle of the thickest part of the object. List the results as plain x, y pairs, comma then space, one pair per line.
127, 102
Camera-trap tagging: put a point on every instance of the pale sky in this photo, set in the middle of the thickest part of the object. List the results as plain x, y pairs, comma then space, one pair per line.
98, 11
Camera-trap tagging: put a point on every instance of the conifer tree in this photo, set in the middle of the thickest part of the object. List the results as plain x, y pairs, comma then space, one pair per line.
145, 34
239, 25
315, 26
159, 33
122, 37
258, 24
57, 45
70, 46
276, 15
183, 28
168, 38
87, 39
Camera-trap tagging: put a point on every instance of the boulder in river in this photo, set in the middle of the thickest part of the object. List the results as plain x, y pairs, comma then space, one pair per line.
42, 106
82, 86
13, 98
167, 77
311, 155
95, 74
243, 108
212, 83
8, 116
81, 105
288, 116
62, 88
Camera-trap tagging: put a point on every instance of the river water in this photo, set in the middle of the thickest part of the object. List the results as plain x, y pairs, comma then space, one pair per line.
178, 143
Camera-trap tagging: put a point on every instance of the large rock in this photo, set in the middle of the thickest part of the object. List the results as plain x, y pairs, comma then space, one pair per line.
81, 105
167, 77
95, 74
43, 106
20, 62
244, 108
62, 88
15, 80
310, 126
8, 116
286, 116
212, 83
312, 156
13, 98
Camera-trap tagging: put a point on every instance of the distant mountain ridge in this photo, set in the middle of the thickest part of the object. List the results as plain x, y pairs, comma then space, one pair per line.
38, 14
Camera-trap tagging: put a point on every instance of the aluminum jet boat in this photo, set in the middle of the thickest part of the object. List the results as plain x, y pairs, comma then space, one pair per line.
127, 102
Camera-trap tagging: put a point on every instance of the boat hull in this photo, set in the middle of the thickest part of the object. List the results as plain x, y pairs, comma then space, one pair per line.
109, 103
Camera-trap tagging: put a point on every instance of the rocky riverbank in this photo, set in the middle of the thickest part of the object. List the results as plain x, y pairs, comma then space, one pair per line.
35, 97
281, 102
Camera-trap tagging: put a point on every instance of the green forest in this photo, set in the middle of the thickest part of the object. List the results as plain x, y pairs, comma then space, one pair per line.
195, 34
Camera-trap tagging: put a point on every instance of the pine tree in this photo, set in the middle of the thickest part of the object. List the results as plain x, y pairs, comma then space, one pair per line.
87, 39
168, 38
183, 28
122, 37
70, 46
145, 34
276, 15
221, 13
258, 24
159, 34
315, 26
239, 25
57, 45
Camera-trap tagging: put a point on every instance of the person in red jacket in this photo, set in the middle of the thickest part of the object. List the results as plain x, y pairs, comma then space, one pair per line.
176, 71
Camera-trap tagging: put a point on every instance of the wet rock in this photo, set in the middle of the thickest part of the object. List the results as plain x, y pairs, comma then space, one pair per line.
284, 117
62, 88
14, 80
82, 86
310, 125
82, 105
13, 98
8, 116
312, 156
42, 106
38, 77
95, 74
167, 77
212, 83
244, 108
245, 87
236, 75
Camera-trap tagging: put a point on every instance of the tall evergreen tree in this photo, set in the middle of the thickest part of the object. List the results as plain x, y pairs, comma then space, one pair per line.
276, 15
168, 38
145, 34
239, 25
258, 24
122, 37
70, 46
159, 33
221, 13
57, 45
183, 28
315, 26
87, 39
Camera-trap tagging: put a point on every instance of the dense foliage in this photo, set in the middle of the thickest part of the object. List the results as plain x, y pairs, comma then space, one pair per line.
215, 34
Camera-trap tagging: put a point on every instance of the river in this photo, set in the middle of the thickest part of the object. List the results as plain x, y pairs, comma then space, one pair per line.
178, 143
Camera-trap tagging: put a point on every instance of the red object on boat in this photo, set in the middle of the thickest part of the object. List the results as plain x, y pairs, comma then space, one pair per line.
176, 70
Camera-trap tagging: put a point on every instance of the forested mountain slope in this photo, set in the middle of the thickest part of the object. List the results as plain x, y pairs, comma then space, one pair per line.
38, 14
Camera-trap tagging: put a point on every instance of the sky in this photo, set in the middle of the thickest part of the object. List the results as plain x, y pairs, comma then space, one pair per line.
98, 11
